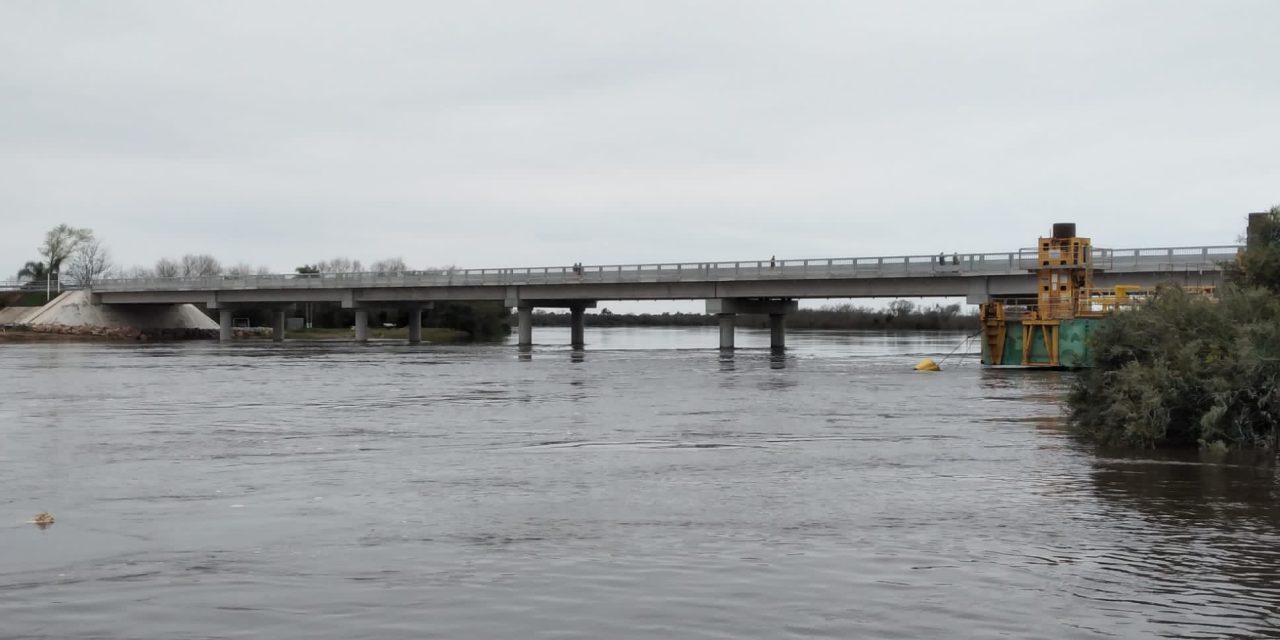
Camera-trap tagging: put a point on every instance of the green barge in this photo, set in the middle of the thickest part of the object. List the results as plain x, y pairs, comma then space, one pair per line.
1052, 329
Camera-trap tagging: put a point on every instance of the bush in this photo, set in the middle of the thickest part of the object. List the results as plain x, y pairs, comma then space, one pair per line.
1185, 370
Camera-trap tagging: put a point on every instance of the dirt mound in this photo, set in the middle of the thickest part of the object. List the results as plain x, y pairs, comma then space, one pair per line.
74, 309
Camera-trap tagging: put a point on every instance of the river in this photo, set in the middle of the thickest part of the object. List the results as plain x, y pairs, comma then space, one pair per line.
648, 487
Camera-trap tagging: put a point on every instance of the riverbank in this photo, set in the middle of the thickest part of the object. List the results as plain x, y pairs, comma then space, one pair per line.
902, 315
429, 334
100, 334
82, 333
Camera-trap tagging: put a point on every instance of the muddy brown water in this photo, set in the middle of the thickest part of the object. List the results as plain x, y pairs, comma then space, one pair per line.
648, 487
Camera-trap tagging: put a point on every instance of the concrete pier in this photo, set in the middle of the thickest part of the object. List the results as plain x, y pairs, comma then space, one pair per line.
525, 315
726, 330
577, 327
415, 325
224, 325
776, 308
277, 325
362, 325
777, 331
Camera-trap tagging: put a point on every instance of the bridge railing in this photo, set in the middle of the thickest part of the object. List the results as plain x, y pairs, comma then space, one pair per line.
970, 264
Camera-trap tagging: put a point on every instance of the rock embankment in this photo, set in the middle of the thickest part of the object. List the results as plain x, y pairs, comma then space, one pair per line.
73, 316
125, 333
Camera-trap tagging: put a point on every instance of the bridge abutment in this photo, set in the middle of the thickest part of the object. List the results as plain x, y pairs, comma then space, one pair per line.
777, 331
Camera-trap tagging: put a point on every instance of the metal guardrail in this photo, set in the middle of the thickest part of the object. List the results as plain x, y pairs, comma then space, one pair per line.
1172, 259
37, 285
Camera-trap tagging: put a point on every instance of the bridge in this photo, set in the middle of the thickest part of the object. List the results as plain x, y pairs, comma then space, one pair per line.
770, 287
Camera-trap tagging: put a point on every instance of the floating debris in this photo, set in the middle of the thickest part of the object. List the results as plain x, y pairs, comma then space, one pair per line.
42, 519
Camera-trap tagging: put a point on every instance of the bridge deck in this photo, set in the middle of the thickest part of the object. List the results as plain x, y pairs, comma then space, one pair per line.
1018, 265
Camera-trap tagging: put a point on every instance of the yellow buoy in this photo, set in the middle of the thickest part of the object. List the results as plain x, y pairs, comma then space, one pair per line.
928, 365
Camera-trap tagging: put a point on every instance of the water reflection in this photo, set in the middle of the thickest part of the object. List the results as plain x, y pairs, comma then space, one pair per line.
726, 360
1183, 487
1193, 523
777, 359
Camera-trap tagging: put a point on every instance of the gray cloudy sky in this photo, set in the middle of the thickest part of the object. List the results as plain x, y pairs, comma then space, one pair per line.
531, 133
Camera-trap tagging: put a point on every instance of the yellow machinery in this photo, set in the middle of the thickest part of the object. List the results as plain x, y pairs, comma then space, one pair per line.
1052, 330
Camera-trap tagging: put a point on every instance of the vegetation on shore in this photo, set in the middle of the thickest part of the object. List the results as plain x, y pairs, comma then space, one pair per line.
1187, 371
901, 315
429, 334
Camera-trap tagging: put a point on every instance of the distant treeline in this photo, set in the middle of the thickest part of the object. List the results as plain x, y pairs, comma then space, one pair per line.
901, 315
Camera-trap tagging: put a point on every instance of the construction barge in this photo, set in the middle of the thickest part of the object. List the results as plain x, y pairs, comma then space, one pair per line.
1051, 330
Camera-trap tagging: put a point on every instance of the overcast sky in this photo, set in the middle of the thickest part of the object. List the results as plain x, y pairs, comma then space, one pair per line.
485, 134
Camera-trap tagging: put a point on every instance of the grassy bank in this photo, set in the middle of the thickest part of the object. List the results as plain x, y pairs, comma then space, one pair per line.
25, 298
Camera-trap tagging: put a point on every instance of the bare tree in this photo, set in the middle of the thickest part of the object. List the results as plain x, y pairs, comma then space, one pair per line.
61, 242
167, 268
240, 270
90, 262
200, 265
136, 272
243, 269
339, 265
390, 266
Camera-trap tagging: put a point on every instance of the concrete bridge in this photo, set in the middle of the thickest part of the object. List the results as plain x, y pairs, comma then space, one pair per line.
769, 287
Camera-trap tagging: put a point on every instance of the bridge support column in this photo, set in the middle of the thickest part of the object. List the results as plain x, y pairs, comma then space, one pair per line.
726, 330
224, 325
415, 325
776, 308
777, 331
277, 325
525, 316
362, 325
577, 327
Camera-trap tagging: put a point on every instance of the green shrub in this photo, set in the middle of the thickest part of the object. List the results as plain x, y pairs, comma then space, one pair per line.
1184, 370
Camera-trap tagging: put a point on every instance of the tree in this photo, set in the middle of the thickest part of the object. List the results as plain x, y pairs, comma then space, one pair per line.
1185, 370
137, 272
90, 262
32, 271
61, 242
339, 265
167, 268
200, 265
389, 267
240, 270
901, 308
1259, 265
